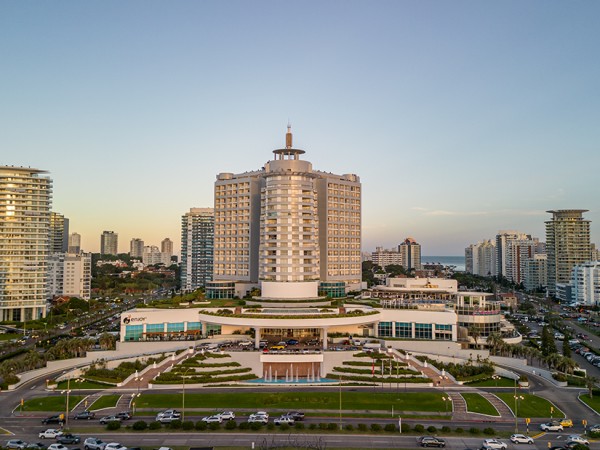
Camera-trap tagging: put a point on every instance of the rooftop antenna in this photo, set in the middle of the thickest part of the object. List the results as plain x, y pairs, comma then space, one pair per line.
288, 135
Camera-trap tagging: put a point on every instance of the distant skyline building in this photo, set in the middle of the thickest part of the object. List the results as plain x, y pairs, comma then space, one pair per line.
384, 258
74, 243
480, 258
410, 254
505, 259
136, 248
197, 243
567, 244
293, 231
25, 206
151, 255
166, 250
70, 275
535, 272
585, 283
59, 233
109, 241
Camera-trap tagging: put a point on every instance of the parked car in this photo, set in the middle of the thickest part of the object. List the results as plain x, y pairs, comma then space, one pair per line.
577, 438
168, 418
84, 415
123, 415
168, 412
521, 439
57, 418
430, 441
36, 446
292, 342
115, 446
16, 443
296, 415
284, 419
227, 415
212, 419
50, 433
550, 426
260, 417
68, 439
57, 447
494, 444
104, 420
277, 347
92, 443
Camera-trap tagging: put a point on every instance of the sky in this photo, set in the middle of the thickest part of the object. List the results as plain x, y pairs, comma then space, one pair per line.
461, 118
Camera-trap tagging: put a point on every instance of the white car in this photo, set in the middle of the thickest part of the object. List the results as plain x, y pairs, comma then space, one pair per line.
50, 433
115, 446
57, 447
551, 427
284, 419
168, 412
577, 439
521, 439
212, 419
227, 415
261, 413
494, 443
258, 418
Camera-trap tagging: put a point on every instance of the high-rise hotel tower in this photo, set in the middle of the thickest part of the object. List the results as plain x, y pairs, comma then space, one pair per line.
25, 201
293, 231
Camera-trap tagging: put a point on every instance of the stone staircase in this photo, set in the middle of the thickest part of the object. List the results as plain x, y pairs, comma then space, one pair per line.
501, 407
86, 403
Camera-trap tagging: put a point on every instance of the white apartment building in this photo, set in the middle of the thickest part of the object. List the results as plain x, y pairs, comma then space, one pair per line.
70, 274
410, 252
109, 243
384, 258
197, 241
151, 255
506, 260
292, 230
166, 251
74, 243
136, 248
535, 272
585, 283
480, 258
25, 202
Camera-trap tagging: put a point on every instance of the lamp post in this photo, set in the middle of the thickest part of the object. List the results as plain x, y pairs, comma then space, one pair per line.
495, 378
446, 400
183, 393
340, 402
517, 398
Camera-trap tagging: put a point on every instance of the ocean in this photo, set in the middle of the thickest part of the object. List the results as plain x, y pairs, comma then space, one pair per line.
458, 261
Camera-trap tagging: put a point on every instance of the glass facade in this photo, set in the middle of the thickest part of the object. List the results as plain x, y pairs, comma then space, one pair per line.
155, 328
175, 327
133, 332
333, 289
423, 331
384, 329
219, 290
212, 329
193, 326
404, 330
443, 332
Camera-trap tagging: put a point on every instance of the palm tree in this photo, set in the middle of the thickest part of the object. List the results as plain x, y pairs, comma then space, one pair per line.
494, 341
590, 383
474, 333
552, 360
566, 365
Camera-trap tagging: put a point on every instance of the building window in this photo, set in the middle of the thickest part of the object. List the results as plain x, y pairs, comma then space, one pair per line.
423, 331
133, 332
384, 329
212, 329
404, 330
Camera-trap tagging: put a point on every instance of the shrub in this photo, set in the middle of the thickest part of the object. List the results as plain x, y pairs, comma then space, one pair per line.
332, 426
230, 425
255, 426
113, 425
432, 429
375, 427
175, 424
187, 425
140, 425
155, 425
214, 425
349, 427
362, 427
419, 428
474, 430
284, 427
390, 427
244, 426
201, 426
323, 426
312, 426
489, 431
405, 428
446, 429
459, 430
299, 426
270, 426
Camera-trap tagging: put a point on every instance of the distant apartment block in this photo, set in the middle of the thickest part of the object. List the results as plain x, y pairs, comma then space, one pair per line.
109, 243
410, 252
59, 233
151, 255
136, 248
24, 242
535, 272
70, 275
166, 250
74, 243
197, 242
384, 258
480, 258
585, 283
567, 244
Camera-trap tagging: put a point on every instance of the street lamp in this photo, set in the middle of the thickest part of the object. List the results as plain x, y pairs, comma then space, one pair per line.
183, 392
340, 383
517, 398
68, 391
447, 400
496, 378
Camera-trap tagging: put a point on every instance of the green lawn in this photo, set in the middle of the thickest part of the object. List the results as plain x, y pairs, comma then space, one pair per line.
85, 384
502, 382
106, 401
56, 403
593, 402
531, 405
9, 336
359, 401
478, 404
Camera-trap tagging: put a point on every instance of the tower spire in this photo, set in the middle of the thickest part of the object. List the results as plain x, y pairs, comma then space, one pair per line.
288, 136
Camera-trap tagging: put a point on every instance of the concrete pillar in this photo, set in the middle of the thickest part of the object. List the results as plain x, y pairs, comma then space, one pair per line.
412, 325
256, 338
433, 331
393, 329
376, 329
203, 329
324, 337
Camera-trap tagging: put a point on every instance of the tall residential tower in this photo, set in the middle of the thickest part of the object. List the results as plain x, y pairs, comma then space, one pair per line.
197, 236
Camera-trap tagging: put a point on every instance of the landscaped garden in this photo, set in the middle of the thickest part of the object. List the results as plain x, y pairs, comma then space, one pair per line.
476, 403
530, 405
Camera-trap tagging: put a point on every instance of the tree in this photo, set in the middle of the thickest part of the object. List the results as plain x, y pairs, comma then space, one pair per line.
474, 333
590, 383
494, 341
548, 344
565, 346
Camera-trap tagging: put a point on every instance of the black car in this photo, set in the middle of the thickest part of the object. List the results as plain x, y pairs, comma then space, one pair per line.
124, 415
68, 439
431, 441
85, 415
58, 418
296, 415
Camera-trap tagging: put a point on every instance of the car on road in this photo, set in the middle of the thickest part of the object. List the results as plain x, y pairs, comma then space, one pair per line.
123, 415
577, 438
566, 423
84, 415
68, 439
57, 447
493, 444
292, 342
115, 446
168, 412
168, 418
57, 418
36, 446
106, 419
260, 417
521, 439
227, 415
50, 433
277, 347
16, 443
296, 415
551, 426
431, 441
93, 443
284, 420
595, 429
212, 419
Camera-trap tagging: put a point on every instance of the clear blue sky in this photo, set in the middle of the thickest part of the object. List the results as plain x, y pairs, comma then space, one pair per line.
461, 118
